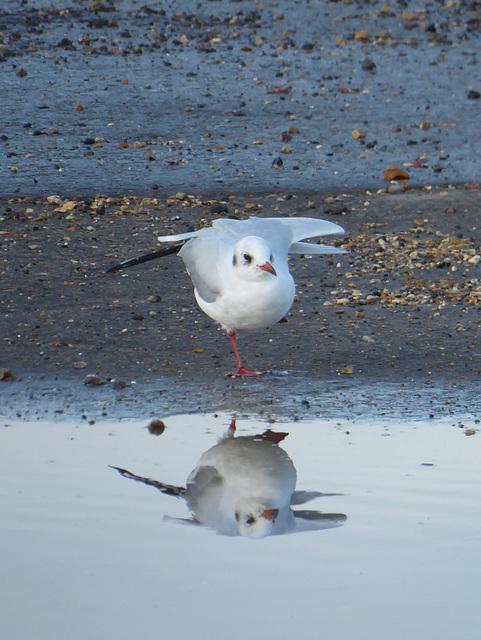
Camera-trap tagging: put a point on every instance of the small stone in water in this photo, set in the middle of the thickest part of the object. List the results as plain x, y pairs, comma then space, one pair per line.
156, 427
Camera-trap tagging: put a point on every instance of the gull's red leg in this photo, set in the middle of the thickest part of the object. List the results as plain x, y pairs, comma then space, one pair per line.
241, 370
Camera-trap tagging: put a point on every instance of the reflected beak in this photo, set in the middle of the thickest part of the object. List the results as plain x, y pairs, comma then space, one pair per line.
270, 514
268, 267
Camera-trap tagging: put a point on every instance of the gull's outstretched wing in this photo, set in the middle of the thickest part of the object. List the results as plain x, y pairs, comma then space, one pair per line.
207, 251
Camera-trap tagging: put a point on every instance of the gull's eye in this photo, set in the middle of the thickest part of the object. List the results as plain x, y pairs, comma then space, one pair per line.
271, 259
250, 520
247, 257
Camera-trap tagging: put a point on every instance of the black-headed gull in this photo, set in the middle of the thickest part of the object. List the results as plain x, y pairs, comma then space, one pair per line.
240, 268
246, 486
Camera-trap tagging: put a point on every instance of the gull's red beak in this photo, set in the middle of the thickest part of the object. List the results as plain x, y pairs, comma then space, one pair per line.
268, 267
270, 514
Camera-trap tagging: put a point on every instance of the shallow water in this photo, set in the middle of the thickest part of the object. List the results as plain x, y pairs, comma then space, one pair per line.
86, 553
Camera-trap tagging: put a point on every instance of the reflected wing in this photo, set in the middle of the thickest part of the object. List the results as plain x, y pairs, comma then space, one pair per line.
204, 486
301, 497
168, 489
182, 520
315, 520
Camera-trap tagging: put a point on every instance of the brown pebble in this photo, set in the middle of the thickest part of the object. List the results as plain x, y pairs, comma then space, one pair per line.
395, 173
156, 427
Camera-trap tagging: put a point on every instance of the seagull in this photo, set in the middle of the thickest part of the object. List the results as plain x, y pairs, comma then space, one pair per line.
240, 269
245, 486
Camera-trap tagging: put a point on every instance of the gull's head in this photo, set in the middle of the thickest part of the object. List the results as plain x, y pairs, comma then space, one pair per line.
253, 258
255, 520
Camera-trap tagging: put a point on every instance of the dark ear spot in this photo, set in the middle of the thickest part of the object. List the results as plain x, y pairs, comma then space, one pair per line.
234, 260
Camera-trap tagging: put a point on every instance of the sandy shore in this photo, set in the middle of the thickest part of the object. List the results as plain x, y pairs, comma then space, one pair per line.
402, 307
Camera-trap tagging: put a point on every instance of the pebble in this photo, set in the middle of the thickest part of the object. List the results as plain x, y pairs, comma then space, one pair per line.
335, 208
348, 369
368, 65
359, 134
6, 51
218, 207
156, 427
93, 381
395, 188
395, 173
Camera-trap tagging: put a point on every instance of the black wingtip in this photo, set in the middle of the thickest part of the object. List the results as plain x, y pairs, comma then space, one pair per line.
152, 255
119, 469
116, 267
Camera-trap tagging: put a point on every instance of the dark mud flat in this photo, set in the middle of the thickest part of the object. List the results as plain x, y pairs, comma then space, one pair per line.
395, 323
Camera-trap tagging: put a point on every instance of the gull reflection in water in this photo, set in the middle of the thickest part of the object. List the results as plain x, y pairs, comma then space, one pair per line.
246, 486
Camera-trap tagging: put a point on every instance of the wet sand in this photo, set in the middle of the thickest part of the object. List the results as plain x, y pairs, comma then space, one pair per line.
131, 98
